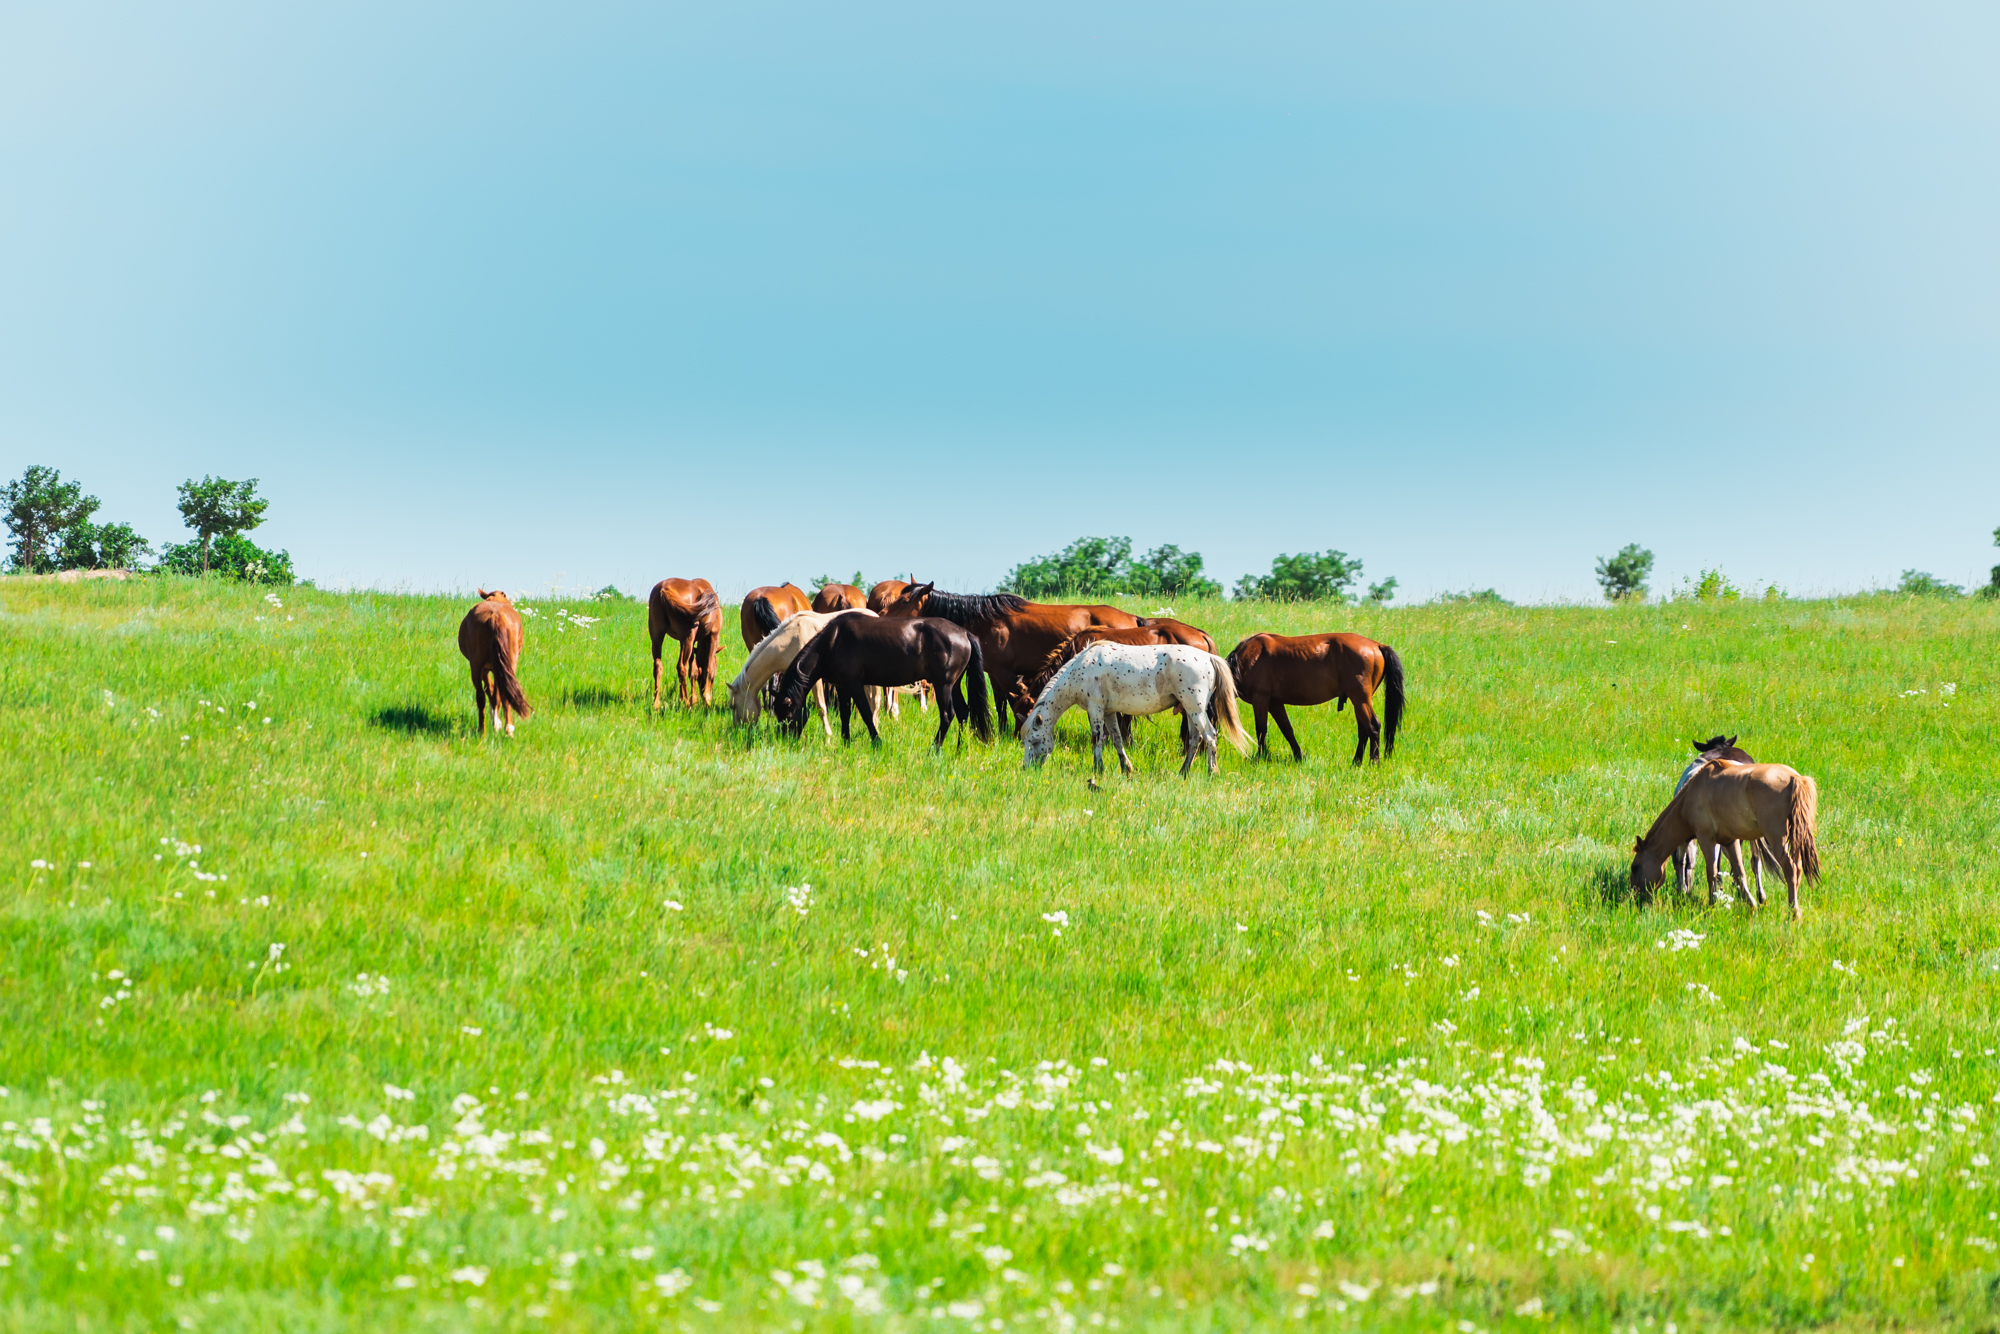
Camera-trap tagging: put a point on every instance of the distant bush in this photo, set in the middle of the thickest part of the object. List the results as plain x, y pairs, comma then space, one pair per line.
1624, 575
1917, 584
1710, 586
1485, 595
1323, 576
237, 557
1105, 566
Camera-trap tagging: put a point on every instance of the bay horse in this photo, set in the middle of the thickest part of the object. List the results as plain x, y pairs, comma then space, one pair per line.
856, 652
1014, 633
772, 655
1112, 681
1273, 671
781, 601
1719, 807
838, 597
686, 610
490, 637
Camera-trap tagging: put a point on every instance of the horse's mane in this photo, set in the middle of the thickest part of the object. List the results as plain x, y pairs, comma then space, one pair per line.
967, 608
1038, 676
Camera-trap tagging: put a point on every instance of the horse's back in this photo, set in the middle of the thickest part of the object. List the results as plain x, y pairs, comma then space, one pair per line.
489, 628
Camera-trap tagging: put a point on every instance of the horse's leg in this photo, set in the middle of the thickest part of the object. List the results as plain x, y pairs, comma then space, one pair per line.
479, 699
1263, 717
1094, 711
1114, 726
866, 703
1710, 856
1368, 732
1734, 850
1285, 726
951, 708
658, 642
1786, 865
1125, 727
1757, 867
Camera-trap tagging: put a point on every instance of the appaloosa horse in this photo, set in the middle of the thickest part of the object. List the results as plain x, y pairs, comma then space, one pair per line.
686, 610
490, 637
1113, 681
1275, 670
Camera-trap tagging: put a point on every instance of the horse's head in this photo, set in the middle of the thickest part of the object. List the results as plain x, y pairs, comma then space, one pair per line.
743, 699
910, 602
1038, 739
1648, 870
1716, 742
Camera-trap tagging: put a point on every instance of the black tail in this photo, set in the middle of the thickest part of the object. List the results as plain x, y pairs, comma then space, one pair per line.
764, 616
975, 689
1392, 714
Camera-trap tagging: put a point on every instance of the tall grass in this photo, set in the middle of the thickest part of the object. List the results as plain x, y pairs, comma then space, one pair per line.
550, 1032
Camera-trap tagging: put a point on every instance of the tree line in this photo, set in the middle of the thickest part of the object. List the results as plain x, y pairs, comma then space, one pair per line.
51, 527
1624, 577
1104, 566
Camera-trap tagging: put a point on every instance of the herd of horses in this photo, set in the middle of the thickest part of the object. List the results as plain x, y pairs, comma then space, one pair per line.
869, 649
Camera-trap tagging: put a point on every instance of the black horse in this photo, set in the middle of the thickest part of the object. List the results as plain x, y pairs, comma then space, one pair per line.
855, 652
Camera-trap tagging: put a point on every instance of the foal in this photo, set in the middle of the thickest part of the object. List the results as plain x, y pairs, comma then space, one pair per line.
490, 637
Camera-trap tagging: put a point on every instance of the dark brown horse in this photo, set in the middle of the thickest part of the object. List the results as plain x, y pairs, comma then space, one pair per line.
1015, 635
1158, 630
854, 653
687, 610
1273, 671
838, 597
781, 602
490, 637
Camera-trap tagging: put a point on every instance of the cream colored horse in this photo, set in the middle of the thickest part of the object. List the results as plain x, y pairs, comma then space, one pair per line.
1724, 804
773, 654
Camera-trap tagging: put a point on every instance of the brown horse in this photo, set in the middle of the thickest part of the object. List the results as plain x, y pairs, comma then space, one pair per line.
1015, 635
1724, 804
880, 596
688, 610
838, 597
1159, 630
490, 637
1275, 670
780, 602
1717, 747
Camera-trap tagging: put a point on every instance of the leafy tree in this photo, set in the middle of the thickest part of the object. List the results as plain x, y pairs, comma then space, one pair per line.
1103, 566
1383, 593
237, 557
1307, 577
41, 508
107, 546
1624, 575
216, 508
1916, 583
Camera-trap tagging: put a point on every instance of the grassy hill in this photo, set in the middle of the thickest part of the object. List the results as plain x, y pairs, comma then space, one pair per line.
322, 1012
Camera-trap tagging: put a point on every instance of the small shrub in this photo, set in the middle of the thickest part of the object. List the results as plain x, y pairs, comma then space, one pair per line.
1323, 576
1489, 596
1917, 584
1710, 586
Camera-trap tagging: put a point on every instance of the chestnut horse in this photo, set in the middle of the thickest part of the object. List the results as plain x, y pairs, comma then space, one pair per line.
1275, 670
490, 637
838, 597
688, 610
1724, 804
880, 596
1015, 635
854, 653
781, 601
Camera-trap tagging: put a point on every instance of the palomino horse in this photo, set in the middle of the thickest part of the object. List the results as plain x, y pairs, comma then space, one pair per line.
1275, 670
1717, 747
772, 655
686, 609
490, 637
781, 602
856, 652
1722, 805
1159, 630
838, 597
1014, 634
1113, 680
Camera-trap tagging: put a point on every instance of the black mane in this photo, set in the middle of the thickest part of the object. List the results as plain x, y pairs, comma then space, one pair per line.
969, 608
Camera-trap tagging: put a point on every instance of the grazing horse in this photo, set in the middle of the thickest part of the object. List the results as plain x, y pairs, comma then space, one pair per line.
838, 597
1723, 804
1014, 634
773, 654
490, 637
686, 609
1275, 670
1110, 680
856, 652
1159, 630
1717, 747
781, 603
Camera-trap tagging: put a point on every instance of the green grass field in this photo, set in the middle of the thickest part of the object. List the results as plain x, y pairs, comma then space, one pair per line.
323, 1013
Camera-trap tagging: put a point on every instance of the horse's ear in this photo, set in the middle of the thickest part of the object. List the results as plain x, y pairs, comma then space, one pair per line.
1732, 741
1639, 844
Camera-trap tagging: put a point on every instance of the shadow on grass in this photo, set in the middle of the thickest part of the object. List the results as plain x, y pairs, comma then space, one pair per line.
1613, 884
413, 719
596, 697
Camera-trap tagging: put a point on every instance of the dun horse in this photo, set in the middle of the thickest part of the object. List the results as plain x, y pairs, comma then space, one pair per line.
1015, 635
1724, 804
856, 652
686, 610
490, 637
1275, 670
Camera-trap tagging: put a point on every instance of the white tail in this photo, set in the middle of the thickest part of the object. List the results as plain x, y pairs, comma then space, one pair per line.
1225, 706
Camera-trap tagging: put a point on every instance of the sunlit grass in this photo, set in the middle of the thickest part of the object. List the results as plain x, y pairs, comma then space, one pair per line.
1367, 1048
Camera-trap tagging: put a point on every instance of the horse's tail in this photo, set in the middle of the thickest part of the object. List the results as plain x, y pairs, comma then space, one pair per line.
1801, 822
1224, 701
705, 604
764, 616
975, 691
1392, 711
509, 685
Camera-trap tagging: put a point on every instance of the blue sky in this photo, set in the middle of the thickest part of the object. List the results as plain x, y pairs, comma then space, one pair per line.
580, 294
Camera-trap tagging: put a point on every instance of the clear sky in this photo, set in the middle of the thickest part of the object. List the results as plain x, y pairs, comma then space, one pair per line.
585, 293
